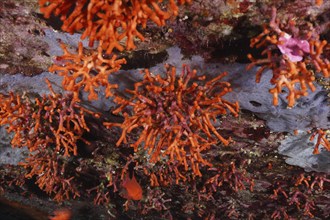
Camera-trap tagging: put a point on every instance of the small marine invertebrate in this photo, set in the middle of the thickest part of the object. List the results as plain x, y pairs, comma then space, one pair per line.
109, 21
86, 71
293, 59
293, 48
174, 116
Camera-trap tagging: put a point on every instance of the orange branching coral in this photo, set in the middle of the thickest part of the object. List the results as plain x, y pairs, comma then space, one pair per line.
165, 174
321, 140
50, 128
50, 170
293, 60
109, 21
86, 71
175, 115
53, 120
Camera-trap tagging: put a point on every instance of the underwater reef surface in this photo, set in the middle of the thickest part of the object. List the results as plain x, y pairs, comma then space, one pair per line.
269, 172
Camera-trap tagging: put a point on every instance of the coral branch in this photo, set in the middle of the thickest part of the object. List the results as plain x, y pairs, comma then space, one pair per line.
321, 140
86, 71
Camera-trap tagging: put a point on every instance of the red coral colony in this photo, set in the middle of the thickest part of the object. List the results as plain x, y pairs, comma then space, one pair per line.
173, 146
175, 116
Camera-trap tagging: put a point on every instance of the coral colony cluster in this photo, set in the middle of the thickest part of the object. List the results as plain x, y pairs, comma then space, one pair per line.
175, 116
293, 59
49, 127
294, 56
169, 127
109, 21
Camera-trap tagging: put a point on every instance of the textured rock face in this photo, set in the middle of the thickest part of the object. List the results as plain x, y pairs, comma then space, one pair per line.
299, 150
21, 47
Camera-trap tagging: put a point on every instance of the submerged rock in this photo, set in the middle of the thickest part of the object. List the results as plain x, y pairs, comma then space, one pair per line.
299, 150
